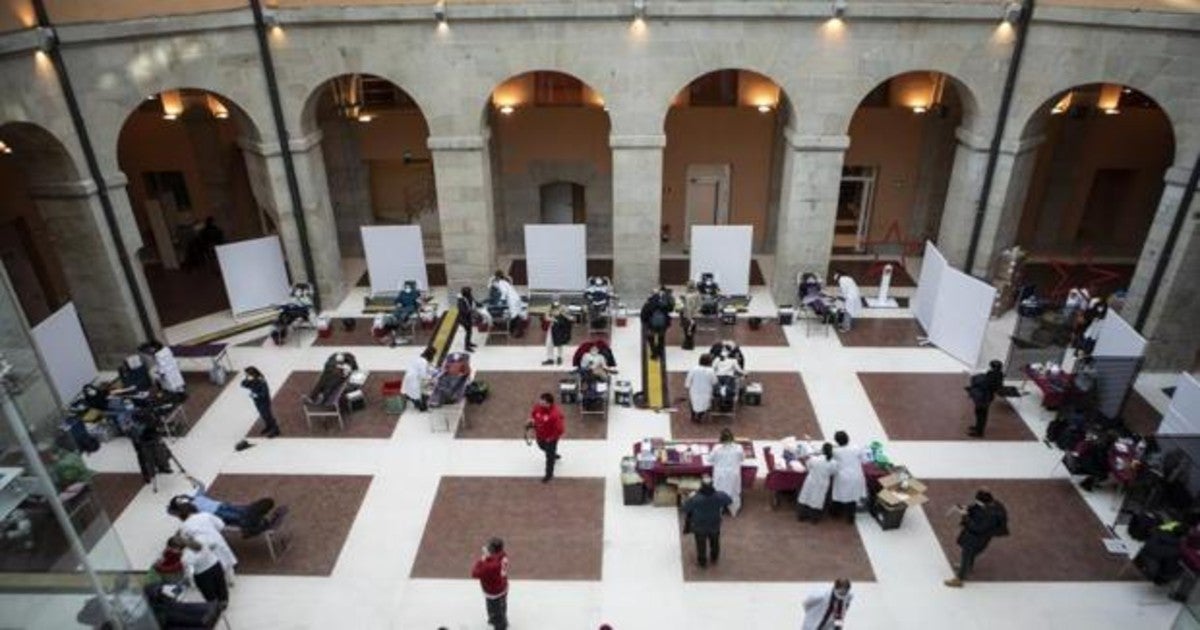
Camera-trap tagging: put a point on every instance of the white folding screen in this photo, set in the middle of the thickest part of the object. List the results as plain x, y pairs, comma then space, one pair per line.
932, 267
395, 253
556, 257
961, 310
725, 251
65, 352
1118, 339
1183, 414
254, 273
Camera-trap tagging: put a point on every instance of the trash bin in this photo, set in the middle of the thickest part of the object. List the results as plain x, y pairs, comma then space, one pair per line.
393, 401
634, 489
889, 516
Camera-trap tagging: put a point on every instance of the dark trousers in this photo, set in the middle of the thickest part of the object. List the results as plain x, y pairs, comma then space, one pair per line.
981, 415
966, 562
689, 334
466, 326
551, 451
657, 340
497, 611
806, 513
422, 403
846, 510
268, 417
211, 584
708, 546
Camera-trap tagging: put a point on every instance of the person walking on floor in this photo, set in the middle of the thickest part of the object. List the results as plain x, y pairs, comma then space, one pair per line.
727, 460
491, 569
983, 520
416, 377
260, 393
700, 382
982, 390
825, 609
548, 425
810, 502
849, 483
702, 515
656, 319
558, 334
689, 310
467, 306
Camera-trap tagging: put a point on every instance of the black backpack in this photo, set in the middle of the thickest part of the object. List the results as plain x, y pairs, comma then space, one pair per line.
477, 392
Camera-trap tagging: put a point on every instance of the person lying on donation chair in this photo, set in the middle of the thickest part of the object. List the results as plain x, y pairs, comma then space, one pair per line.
338, 368
298, 307
594, 369
250, 517
728, 367
710, 294
505, 302
408, 302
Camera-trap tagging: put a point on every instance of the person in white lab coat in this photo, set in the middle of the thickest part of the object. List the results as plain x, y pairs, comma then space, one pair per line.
416, 377
700, 381
849, 483
851, 296
170, 378
825, 609
206, 529
727, 469
810, 503
203, 567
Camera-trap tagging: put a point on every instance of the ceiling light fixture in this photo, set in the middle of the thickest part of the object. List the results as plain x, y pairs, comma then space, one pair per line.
839, 9
506, 109
764, 108
1013, 12
4, 148
170, 117
1111, 111
365, 118
919, 109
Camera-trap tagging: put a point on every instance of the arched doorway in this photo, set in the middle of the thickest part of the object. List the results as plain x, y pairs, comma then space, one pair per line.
549, 153
897, 168
374, 142
1095, 185
189, 191
722, 162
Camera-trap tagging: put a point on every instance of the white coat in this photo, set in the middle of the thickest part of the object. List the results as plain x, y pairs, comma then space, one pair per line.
816, 484
700, 382
169, 375
849, 484
512, 299
727, 472
415, 377
726, 366
851, 294
206, 529
815, 606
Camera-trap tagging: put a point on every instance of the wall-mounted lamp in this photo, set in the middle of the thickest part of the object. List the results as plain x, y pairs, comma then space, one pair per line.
506, 109
639, 9
1012, 13
839, 9
439, 12
170, 116
47, 39
365, 118
764, 108
5, 149
271, 20
1111, 111
919, 109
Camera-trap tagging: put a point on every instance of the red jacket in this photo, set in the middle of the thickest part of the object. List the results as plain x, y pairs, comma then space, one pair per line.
492, 573
548, 422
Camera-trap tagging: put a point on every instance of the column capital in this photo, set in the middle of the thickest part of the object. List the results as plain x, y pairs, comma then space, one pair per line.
636, 141
258, 147
64, 190
1177, 176
972, 141
457, 143
1021, 145
824, 143
303, 143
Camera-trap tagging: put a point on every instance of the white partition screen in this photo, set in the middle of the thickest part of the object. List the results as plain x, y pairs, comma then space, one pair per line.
65, 351
1118, 339
932, 267
1183, 414
725, 251
395, 253
254, 274
961, 311
556, 257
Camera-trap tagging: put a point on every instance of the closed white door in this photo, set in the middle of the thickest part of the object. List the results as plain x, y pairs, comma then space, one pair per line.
707, 199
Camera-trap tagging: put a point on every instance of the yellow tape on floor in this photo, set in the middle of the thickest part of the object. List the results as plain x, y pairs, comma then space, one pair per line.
444, 335
656, 396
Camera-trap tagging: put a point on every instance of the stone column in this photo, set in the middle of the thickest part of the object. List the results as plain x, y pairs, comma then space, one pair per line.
103, 298
463, 175
1002, 217
637, 166
1170, 329
349, 182
812, 175
268, 181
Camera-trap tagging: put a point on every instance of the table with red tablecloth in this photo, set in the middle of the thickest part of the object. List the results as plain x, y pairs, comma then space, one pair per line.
662, 470
1055, 387
779, 481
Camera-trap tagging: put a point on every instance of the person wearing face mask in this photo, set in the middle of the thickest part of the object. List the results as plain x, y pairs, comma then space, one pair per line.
825, 609
656, 319
548, 424
981, 521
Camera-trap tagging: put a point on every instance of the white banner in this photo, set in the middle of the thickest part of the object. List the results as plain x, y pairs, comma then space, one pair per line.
1183, 414
933, 265
961, 311
395, 253
724, 251
556, 257
254, 274
65, 352
1118, 339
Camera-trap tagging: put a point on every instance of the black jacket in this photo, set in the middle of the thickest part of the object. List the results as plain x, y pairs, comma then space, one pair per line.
981, 523
466, 310
705, 511
657, 303
984, 387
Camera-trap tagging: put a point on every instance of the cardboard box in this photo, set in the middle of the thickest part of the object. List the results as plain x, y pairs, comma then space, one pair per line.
897, 496
897, 489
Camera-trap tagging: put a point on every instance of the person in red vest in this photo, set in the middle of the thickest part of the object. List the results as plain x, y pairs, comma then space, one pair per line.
548, 425
491, 569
